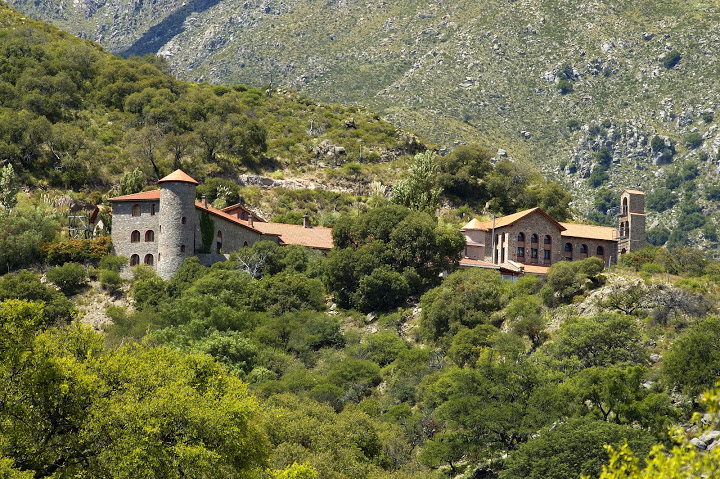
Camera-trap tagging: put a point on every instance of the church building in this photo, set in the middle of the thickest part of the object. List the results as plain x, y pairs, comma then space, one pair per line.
531, 241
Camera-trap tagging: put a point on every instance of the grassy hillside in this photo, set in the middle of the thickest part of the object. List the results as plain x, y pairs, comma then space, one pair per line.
549, 82
77, 117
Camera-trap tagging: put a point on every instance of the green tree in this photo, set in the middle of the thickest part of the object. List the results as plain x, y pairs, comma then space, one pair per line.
70, 277
420, 190
573, 448
599, 340
692, 363
75, 408
9, 187
132, 182
466, 298
381, 290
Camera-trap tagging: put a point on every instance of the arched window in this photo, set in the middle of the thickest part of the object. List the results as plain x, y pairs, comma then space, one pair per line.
547, 239
245, 244
134, 260
534, 238
149, 236
568, 247
218, 242
521, 237
583, 249
183, 220
152, 209
600, 251
135, 236
625, 206
136, 210
149, 259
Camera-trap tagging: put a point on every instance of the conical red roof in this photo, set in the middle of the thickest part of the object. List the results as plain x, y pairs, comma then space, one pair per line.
179, 175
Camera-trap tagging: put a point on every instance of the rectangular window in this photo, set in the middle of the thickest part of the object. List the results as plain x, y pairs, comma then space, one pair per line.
182, 248
533, 252
520, 252
546, 254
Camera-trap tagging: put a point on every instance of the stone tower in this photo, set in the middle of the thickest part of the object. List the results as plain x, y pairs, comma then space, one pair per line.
631, 221
177, 222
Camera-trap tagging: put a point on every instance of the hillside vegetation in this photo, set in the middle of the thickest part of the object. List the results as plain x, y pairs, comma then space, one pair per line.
620, 94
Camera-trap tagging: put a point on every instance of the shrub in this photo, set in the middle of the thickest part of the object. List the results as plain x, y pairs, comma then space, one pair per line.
565, 87
109, 280
76, 250
707, 116
598, 177
383, 289
69, 277
693, 140
111, 262
693, 361
671, 59
657, 236
661, 199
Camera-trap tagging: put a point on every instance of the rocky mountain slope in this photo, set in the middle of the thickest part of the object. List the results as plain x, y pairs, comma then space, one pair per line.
570, 86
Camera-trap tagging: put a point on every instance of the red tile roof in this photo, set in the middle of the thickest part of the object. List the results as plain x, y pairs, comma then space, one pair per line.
476, 263
508, 220
232, 219
605, 233
178, 175
231, 210
535, 269
316, 237
153, 195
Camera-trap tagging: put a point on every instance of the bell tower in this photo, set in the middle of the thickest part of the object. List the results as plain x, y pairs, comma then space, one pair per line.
631, 221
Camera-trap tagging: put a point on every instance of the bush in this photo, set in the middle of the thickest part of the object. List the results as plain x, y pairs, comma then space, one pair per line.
707, 116
110, 280
671, 59
70, 277
661, 199
381, 290
111, 262
565, 87
76, 250
657, 236
598, 177
693, 140
693, 361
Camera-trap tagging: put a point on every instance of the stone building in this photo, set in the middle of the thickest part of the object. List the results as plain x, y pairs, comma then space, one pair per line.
162, 228
530, 241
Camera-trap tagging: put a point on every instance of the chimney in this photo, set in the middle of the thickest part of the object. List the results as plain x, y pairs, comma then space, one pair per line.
250, 219
306, 220
204, 201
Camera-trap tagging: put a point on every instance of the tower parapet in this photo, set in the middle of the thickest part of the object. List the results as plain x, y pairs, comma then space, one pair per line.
177, 222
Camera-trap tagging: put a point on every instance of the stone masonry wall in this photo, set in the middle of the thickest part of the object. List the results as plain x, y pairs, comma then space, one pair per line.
124, 224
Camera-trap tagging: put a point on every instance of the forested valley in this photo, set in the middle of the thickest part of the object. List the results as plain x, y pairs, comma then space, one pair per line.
380, 359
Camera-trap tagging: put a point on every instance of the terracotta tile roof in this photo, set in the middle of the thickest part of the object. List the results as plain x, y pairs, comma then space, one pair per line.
153, 195
222, 214
536, 269
605, 233
473, 224
509, 220
476, 263
179, 175
238, 206
635, 192
315, 237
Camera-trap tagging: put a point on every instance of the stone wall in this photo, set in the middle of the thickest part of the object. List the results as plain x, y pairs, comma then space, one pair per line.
234, 236
507, 244
124, 224
177, 219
